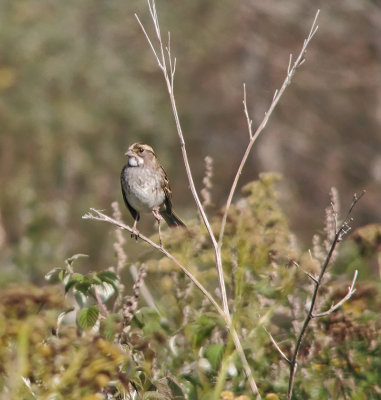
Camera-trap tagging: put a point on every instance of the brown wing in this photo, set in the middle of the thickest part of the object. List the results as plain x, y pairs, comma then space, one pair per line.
168, 192
168, 213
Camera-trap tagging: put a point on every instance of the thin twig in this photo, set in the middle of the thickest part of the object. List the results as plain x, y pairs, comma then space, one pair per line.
249, 121
343, 229
253, 137
169, 79
99, 216
351, 291
276, 345
303, 270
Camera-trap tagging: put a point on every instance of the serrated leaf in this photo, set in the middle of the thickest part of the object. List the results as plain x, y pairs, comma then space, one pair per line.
62, 316
107, 276
84, 287
87, 317
214, 354
80, 298
93, 278
74, 279
56, 274
105, 291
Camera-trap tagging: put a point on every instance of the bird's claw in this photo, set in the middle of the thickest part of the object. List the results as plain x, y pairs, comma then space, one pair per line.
135, 232
156, 214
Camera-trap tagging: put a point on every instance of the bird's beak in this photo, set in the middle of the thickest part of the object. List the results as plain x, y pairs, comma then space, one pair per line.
129, 153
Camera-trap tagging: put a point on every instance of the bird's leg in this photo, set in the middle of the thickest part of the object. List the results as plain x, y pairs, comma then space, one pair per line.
135, 232
158, 218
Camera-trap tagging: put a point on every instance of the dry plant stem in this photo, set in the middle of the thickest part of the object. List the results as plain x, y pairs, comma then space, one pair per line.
169, 74
254, 135
351, 291
146, 294
169, 79
99, 216
273, 341
304, 271
344, 228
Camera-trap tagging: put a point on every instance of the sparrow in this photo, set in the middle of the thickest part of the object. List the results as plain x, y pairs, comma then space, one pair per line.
145, 187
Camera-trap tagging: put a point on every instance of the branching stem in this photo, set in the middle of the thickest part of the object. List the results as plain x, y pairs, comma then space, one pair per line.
343, 230
254, 135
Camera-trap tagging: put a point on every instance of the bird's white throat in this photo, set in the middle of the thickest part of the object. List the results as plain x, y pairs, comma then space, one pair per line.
135, 161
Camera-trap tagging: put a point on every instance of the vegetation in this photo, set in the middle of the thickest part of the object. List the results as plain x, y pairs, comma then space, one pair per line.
234, 307
179, 347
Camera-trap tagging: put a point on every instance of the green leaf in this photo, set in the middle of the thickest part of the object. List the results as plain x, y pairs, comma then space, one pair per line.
105, 291
84, 287
62, 316
74, 279
107, 276
80, 298
214, 354
56, 274
87, 317
110, 278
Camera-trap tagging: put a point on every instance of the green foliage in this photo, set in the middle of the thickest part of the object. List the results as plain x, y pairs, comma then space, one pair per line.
87, 317
182, 349
63, 365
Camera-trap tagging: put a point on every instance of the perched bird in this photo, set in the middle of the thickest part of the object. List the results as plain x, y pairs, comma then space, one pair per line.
145, 186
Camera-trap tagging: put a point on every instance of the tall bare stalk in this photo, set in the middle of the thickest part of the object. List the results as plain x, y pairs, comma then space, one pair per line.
167, 65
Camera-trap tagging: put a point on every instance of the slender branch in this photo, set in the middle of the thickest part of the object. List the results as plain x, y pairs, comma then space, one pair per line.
276, 345
351, 291
254, 136
99, 216
169, 79
249, 121
303, 270
340, 233
245, 364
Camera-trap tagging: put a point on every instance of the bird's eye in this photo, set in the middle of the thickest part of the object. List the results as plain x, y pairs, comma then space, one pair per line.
141, 150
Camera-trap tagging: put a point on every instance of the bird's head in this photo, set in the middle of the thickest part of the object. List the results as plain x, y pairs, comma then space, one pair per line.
139, 153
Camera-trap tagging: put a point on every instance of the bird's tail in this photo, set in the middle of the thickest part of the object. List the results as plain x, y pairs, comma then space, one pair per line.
172, 219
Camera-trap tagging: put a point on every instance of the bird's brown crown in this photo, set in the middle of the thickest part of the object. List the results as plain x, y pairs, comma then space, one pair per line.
139, 147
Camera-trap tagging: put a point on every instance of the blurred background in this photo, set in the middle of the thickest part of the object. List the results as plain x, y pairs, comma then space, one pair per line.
79, 84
